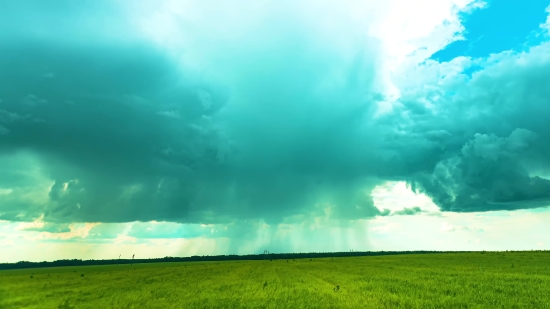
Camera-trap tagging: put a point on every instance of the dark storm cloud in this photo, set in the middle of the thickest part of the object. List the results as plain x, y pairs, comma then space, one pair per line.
497, 148
99, 127
125, 134
487, 175
123, 131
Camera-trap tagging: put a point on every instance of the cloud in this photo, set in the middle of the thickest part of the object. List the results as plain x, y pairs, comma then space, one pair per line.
446, 227
51, 232
409, 211
218, 116
488, 175
127, 132
546, 25
403, 212
496, 151
48, 227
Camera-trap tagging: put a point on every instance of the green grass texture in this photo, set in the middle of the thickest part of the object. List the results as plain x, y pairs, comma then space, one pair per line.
450, 280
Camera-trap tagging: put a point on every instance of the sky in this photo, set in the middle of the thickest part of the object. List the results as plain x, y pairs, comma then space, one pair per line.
186, 127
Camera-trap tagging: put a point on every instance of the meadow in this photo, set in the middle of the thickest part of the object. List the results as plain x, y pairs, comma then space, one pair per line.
451, 280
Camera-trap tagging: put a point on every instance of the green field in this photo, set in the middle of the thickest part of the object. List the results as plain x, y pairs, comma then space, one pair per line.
461, 280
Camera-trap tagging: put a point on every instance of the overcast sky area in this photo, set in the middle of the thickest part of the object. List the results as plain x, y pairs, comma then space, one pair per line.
192, 127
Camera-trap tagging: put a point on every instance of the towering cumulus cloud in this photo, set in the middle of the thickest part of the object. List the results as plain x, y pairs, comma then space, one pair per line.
114, 111
490, 132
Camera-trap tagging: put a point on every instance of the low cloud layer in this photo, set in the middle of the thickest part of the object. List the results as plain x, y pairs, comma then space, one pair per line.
273, 115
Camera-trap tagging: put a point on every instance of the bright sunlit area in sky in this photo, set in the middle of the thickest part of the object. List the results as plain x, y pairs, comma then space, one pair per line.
186, 127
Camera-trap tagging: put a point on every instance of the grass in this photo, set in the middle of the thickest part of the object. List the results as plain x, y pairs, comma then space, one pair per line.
462, 280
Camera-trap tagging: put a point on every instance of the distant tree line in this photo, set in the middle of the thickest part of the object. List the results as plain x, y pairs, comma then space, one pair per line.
264, 256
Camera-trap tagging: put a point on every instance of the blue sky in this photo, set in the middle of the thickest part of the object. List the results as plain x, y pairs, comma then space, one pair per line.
499, 26
181, 128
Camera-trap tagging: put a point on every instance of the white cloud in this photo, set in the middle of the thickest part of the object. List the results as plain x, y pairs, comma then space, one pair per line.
27, 225
446, 227
406, 32
76, 231
546, 24
396, 196
502, 230
410, 32
125, 239
386, 228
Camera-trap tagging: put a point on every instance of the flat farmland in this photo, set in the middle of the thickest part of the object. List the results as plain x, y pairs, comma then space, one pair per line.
449, 280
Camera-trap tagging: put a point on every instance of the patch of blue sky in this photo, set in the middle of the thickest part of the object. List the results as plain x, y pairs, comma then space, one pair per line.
472, 68
500, 26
